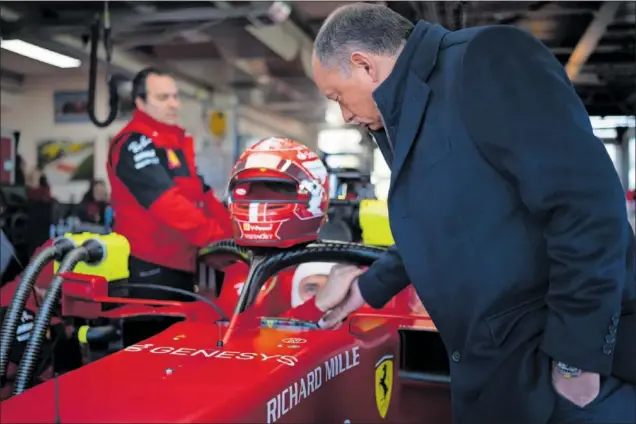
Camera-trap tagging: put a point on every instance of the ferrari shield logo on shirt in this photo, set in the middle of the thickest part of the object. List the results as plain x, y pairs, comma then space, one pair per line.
173, 160
383, 383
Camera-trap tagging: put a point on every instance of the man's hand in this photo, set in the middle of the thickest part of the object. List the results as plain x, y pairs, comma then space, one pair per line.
351, 303
334, 292
581, 390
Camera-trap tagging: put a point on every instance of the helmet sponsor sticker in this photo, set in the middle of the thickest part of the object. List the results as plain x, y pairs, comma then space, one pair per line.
260, 230
293, 395
277, 143
317, 169
306, 155
262, 160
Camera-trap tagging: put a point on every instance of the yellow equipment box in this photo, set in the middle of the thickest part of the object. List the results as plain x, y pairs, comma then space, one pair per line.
374, 223
115, 264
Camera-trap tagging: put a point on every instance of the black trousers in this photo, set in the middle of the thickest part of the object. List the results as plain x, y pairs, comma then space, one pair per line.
138, 329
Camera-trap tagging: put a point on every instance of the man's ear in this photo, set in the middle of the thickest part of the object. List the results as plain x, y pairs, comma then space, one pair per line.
363, 62
139, 103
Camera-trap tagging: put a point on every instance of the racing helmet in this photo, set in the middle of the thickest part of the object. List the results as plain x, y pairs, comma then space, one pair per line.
278, 194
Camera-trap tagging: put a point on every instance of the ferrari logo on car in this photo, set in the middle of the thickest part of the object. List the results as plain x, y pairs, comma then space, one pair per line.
383, 383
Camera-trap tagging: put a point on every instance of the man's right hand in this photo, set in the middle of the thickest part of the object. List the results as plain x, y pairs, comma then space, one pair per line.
337, 288
344, 299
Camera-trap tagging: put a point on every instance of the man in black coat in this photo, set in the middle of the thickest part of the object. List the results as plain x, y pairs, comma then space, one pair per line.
508, 215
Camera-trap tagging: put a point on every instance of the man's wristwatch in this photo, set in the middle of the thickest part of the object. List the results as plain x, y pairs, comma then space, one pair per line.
567, 371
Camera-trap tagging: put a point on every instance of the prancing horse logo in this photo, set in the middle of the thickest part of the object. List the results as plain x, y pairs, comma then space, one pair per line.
383, 384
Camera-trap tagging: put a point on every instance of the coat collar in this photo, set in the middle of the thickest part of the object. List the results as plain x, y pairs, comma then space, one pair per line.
389, 94
144, 118
403, 97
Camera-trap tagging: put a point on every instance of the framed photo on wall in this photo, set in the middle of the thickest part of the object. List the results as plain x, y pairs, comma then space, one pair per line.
70, 106
64, 161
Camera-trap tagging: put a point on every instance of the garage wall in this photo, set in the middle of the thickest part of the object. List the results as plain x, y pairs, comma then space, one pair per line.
32, 114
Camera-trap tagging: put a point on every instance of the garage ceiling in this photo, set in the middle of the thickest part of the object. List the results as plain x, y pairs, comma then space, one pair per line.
228, 46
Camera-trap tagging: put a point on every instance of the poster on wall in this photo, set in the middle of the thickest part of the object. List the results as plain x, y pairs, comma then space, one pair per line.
70, 106
64, 161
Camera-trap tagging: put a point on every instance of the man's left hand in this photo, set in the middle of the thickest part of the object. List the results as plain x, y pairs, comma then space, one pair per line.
581, 390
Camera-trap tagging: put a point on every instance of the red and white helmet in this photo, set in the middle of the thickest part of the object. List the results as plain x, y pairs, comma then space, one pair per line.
278, 194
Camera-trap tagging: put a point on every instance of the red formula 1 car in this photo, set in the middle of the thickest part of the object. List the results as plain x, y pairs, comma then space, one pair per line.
386, 365
250, 365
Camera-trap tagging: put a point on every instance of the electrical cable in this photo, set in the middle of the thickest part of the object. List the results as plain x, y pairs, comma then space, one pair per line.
91, 251
24, 288
179, 291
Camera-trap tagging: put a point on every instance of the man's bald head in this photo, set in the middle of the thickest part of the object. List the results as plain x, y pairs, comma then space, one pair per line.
364, 27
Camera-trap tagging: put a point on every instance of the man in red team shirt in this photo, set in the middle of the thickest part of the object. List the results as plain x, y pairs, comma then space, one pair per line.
162, 206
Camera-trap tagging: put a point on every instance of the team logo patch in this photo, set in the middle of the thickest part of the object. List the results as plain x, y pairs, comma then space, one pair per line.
383, 384
173, 160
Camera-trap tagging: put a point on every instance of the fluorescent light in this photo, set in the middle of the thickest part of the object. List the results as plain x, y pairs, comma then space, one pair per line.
38, 53
338, 141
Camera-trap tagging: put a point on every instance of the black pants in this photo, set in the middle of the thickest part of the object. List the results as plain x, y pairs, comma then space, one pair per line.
140, 328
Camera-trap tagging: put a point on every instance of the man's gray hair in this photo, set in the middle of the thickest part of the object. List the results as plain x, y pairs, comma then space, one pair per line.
364, 27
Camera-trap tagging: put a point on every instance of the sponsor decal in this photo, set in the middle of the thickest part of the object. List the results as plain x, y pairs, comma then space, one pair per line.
315, 191
274, 143
306, 155
137, 146
257, 227
240, 191
143, 157
294, 341
317, 169
262, 160
291, 396
173, 159
260, 231
288, 360
23, 332
383, 384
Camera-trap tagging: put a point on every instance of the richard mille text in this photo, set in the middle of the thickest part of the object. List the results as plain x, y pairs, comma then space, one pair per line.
291, 396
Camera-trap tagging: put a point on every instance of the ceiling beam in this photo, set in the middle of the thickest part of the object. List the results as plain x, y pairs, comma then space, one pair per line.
590, 39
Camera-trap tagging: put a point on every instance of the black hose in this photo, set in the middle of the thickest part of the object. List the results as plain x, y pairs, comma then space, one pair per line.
262, 270
113, 98
59, 249
227, 247
43, 318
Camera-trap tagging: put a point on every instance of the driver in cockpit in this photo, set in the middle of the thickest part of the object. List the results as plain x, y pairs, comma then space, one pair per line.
278, 198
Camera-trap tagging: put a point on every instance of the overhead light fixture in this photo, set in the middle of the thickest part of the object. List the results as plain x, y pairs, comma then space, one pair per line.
40, 54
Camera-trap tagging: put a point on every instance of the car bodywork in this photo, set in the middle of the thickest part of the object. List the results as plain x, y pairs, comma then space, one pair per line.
385, 365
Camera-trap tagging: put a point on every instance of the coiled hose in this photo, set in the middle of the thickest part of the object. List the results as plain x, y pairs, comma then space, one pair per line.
90, 251
262, 270
228, 247
59, 249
